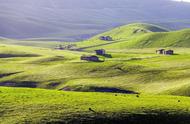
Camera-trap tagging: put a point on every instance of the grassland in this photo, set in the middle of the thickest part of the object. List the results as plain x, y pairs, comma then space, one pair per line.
162, 81
49, 106
144, 72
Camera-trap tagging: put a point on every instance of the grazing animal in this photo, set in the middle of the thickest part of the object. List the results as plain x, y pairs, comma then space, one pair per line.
179, 100
137, 96
90, 109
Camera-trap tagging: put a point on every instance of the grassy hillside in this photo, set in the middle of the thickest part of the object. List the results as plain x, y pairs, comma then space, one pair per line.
153, 40
139, 36
123, 33
134, 29
49, 106
132, 70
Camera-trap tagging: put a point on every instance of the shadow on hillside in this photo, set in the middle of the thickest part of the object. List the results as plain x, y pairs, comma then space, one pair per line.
107, 55
17, 55
27, 84
112, 90
175, 54
100, 89
127, 118
9, 74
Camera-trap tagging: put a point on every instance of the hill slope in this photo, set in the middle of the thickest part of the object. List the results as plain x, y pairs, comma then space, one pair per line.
122, 33
140, 36
156, 40
134, 29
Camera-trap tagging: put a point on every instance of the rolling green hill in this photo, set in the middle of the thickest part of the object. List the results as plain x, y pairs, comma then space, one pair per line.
123, 33
139, 36
135, 29
153, 40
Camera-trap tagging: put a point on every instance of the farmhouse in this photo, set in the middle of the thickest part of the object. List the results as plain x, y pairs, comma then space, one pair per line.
165, 52
100, 52
169, 52
106, 38
59, 47
160, 51
66, 47
90, 58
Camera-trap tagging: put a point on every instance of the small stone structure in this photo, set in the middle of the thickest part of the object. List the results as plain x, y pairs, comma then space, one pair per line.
169, 52
60, 47
165, 52
106, 38
90, 58
66, 47
100, 52
160, 51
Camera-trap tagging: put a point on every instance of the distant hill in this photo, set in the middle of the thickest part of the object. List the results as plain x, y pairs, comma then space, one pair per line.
71, 20
140, 35
135, 29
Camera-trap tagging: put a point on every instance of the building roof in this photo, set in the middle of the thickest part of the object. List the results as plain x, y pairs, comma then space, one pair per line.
169, 50
100, 50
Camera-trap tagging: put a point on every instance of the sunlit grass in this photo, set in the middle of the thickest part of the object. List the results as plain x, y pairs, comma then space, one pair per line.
49, 106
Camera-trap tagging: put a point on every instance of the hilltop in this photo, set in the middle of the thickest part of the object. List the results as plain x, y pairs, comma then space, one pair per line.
139, 36
133, 29
123, 33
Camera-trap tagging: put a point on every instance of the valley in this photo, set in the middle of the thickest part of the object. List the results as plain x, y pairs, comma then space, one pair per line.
132, 83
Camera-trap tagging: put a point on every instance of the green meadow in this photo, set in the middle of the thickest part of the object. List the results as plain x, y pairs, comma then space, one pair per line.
50, 106
40, 84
